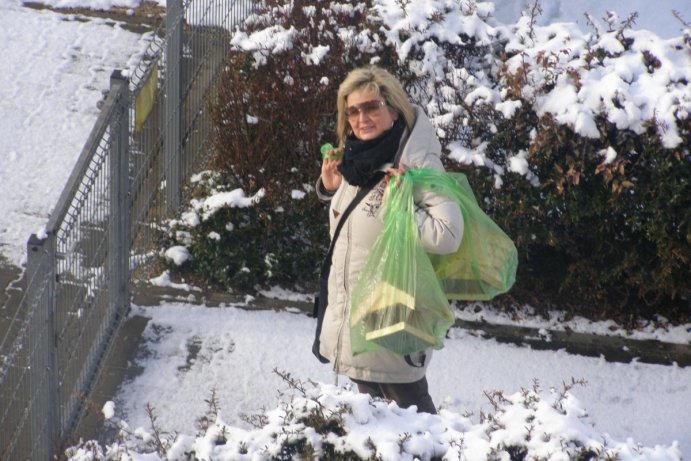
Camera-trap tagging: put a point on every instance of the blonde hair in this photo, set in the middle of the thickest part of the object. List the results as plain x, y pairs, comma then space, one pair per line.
372, 78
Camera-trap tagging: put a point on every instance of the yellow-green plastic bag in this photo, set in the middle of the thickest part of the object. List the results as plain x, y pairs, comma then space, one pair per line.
397, 303
400, 301
485, 264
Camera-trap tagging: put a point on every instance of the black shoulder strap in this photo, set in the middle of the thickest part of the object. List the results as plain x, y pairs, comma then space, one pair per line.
364, 190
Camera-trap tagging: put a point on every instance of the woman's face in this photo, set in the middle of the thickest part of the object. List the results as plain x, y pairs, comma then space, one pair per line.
368, 114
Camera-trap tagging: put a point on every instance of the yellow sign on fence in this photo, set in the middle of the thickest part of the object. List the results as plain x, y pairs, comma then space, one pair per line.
145, 100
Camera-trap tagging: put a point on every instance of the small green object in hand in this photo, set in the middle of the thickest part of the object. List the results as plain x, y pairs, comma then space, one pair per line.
326, 148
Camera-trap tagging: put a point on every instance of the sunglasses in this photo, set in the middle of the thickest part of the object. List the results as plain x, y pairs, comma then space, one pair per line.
366, 108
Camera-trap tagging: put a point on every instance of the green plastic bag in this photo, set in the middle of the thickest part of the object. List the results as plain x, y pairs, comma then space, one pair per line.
400, 301
485, 264
397, 303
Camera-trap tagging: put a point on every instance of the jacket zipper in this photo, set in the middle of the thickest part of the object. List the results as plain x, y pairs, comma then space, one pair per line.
337, 205
347, 295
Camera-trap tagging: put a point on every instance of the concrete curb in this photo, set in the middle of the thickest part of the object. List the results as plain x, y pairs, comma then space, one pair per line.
611, 348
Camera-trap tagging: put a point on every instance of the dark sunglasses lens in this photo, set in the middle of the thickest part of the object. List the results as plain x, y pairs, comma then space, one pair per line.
370, 107
366, 108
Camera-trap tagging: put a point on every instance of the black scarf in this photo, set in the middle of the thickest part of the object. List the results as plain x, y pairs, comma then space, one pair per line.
362, 159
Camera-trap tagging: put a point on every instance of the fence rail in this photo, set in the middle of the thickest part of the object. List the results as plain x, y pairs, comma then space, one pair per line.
151, 135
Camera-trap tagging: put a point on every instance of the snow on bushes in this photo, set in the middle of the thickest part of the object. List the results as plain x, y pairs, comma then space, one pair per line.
327, 422
459, 56
221, 240
631, 78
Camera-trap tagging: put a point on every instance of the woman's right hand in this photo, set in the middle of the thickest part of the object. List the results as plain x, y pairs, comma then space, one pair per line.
331, 177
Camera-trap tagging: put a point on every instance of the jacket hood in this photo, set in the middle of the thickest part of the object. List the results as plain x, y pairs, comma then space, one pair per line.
420, 142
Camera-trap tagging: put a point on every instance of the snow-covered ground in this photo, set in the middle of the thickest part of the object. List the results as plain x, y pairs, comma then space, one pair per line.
192, 350
54, 68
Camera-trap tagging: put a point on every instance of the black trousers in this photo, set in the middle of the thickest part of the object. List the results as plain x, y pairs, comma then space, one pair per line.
404, 394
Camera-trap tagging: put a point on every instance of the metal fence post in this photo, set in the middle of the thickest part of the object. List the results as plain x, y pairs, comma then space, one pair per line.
119, 197
44, 411
173, 161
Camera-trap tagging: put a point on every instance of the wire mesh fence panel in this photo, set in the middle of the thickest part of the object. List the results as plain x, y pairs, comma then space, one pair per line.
88, 269
206, 41
25, 371
82, 290
205, 28
54, 345
147, 159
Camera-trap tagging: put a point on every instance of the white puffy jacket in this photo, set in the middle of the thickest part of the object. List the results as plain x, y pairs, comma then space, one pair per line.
441, 229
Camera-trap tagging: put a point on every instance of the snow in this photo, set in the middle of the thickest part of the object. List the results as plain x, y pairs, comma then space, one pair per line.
560, 321
610, 154
236, 198
55, 68
297, 194
164, 280
508, 108
623, 87
108, 409
238, 349
178, 254
655, 16
95, 4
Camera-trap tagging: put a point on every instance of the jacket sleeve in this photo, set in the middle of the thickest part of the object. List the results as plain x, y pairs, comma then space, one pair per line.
323, 194
439, 218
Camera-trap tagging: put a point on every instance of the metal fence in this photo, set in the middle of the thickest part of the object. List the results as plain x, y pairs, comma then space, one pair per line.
178, 75
151, 135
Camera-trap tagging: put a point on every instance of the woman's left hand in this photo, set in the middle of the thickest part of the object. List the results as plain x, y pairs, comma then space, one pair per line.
392, 172
395, 172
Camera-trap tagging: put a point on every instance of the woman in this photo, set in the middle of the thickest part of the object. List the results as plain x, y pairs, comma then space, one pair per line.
379, 130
